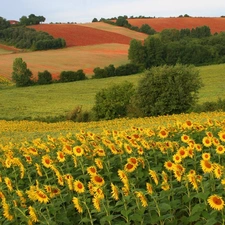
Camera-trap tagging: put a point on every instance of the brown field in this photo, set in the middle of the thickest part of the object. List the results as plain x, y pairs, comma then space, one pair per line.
117, 29
78, 35
216, 24
72, 58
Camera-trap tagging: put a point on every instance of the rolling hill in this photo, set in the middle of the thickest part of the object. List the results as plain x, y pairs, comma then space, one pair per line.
96, 44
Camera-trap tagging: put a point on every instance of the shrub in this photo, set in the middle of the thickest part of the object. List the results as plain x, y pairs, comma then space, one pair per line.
168, 90
70, 76
112, 102
44, 77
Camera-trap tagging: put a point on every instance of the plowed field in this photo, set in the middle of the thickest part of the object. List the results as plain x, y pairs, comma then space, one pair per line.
78, 35
216, 24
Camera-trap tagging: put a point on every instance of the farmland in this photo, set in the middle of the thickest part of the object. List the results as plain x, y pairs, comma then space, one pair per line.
216, 24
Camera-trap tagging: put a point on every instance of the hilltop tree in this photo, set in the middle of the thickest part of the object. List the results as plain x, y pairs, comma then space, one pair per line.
21, 74
31, 20
4, 23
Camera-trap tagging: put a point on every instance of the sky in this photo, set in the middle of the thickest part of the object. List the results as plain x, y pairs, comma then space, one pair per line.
82, 11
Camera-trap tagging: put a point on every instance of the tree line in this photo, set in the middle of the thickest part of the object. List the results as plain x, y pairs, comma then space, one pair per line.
27, 38
196, 46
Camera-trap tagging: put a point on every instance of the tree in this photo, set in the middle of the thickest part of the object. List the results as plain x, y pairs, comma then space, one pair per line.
4, 23
44, 77
112, 102
21, 74
136, 52
168, 90
94, 20
122, 21
145, 28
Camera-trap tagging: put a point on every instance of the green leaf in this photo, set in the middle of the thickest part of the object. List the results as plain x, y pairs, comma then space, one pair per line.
194, 217
197, 208
136, 217
85, 220
211, 221
106, 219
164, 207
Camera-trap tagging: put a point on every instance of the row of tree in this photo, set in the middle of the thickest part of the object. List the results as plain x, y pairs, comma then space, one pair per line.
22, 75
171, 46
111, 70
123, 22
26, 38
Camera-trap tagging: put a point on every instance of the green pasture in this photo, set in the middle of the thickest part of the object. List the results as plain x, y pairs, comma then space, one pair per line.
60, 98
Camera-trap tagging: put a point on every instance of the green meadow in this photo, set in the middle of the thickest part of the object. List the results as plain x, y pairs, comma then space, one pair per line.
60, 98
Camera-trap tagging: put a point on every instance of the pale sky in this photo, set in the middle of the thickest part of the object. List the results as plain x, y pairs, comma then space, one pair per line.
82, 11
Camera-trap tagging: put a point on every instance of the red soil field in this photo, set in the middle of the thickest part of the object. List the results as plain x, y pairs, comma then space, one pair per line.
216, 24
78, 35
9, 48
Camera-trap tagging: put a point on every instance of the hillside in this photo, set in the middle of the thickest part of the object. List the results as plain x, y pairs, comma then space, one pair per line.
78, 35
216, 24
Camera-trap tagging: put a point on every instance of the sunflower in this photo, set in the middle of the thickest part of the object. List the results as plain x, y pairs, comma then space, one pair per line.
77, 204
91, 188
98, 192
185, 138
91, 170
100, 152
149, 188
142, 198
133, 160
164, 176
190, 152
163, 133
8, 183
127, 148
177, 175
177, 158
41, 196
188, 124
78, 186
123, 176
222, 135
126, 189
6, 212
218, 170
198, 147
28, 159
130, 167
154, 176
192, 179
78, 151
115, 192
215, 141
96, 202
220, 149
46, 161
206, 156
182, 152
206, 166
98, 163
61, 156
32, 214
165, 186
54, 192
216, 202
168, 165
97, 180
206, 141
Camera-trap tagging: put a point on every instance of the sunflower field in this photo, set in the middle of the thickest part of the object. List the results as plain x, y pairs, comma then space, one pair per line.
157, 170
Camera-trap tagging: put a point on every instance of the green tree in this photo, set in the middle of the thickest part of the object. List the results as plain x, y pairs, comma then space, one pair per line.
21, 74
145, 28
136, 52
94, 20
44, 77
4, 23
122, 21
168, 90
154, 52
112, 102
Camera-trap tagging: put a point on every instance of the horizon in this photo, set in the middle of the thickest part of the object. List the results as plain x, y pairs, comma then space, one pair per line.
84, 11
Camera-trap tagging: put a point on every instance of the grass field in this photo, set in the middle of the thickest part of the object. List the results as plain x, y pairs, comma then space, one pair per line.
58, 99
4, 51
73, 58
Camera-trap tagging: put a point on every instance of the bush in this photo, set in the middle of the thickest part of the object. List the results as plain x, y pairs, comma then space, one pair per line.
112, 102
168, 90
70, 76
219, 105
78, 115
126, 69
44, 77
